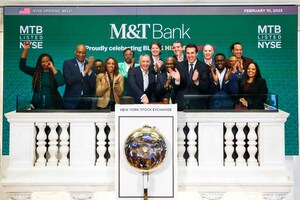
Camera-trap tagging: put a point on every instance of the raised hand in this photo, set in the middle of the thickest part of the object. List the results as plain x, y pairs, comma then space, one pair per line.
132, 62
26, 44
52, 67
89, 66
26, 47
195, 77
175, 74
168, 82
227, 75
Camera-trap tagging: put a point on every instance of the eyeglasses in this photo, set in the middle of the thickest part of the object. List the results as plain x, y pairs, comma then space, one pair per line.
128, 54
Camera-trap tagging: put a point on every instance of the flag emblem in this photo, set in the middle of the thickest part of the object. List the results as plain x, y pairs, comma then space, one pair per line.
24, 11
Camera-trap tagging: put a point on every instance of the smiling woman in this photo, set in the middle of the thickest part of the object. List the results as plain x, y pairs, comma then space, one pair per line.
109, 85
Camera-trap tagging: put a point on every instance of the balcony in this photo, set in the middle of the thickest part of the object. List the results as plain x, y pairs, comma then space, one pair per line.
218, 153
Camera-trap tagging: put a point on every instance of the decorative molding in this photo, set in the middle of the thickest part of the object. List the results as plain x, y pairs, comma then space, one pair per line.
81, 195
211, 196
274, 196
19, 196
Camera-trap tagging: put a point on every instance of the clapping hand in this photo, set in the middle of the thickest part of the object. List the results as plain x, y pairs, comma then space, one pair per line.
195, 76
175, 74
168, 82
227, 75
117, 78
89, 66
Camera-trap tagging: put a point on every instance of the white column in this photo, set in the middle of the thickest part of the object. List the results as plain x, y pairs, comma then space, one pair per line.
53, 148
41, 145
180, 143
111, 148
101, 136
240, 148
191, 136
64, 144
229, 149
252, 149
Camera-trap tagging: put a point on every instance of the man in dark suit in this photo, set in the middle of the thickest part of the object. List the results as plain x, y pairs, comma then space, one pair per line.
80, 80
168, 81
141, 83
194, 80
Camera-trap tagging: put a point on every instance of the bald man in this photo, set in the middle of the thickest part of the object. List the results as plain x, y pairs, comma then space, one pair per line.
80, 80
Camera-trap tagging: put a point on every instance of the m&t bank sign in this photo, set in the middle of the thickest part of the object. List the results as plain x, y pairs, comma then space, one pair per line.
144, 31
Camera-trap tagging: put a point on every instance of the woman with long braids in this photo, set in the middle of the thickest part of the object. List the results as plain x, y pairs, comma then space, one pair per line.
45, 81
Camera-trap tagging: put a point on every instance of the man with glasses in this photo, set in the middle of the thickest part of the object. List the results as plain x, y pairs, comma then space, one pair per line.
126, 65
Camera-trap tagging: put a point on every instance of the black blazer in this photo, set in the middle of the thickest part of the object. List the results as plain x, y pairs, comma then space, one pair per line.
161, 92
187, 86
256, 95
136, 85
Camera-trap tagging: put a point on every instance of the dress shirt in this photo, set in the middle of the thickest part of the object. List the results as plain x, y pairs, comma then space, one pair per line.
221, 77
145, 79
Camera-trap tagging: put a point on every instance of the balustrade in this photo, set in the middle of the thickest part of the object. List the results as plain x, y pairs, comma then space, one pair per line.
212, 146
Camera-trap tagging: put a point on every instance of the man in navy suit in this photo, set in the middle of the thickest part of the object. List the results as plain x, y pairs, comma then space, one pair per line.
194, 80
141, 83
80, 80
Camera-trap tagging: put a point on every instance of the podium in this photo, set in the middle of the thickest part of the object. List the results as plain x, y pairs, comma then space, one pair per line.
161, 182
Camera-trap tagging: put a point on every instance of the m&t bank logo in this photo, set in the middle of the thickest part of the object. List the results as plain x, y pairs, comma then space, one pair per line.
144, 31
269, 36
34, 34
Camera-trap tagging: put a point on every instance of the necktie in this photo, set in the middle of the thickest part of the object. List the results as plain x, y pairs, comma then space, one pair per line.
191, 71
146, 80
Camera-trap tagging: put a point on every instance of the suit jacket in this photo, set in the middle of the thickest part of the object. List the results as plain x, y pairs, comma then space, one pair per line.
187, 86
161, 92
76, 83
103, 90
256, 95
136, 85
224, 97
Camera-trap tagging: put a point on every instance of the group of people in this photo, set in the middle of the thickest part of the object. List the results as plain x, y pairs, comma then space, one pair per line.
217, 82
